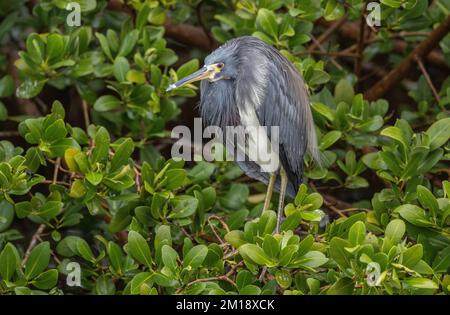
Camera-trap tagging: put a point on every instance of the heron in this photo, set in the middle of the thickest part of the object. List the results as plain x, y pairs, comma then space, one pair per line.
246, 82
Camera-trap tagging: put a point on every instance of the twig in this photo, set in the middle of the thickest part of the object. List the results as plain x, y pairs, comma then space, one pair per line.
325, 35
225, 226
351, 30
398, 73
47, 182
85, 113
231, 254
328, 53
360, 46
56, 170
324, 50
428, 79
331, 202
215, 232
9, 134
34, 240
138, 175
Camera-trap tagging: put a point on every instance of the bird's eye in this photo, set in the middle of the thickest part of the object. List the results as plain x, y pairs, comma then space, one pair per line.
220, 65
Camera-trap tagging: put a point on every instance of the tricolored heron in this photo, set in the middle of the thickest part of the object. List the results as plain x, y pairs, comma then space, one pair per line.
246, 82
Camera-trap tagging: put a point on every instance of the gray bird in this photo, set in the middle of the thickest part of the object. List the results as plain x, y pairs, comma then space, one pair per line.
246, 82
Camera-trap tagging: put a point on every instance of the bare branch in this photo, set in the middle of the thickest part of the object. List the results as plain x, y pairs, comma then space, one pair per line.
421, 50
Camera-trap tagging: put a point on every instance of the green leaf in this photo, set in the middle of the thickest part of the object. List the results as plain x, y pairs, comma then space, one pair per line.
138, 248
266, 22
59, 147
329, 139
235, 238
46, 280
104, 285
413, 214
169, 257
442, 261
427, 199
267, 222
9, 262
271, 246
128, 43
3, 111
343, 286
312, 259
55, 47
421, 283
412, 256
333, 10
30, 88
100, 151
202, 171
188, 68
84, 250
323, 110
395, 230
284, 278
394, 133
38, 260
104, 45
6, 86
50, 210
122, 154
175, 178
116, 256
244, 278
357, 233
106, 102
338, 252
185, 207
6, 215
392, 3
195, 256
343, 92
121, 67
439, 133
255, 254
55, 131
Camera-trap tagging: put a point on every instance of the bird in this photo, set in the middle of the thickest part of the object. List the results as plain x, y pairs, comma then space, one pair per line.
247, 82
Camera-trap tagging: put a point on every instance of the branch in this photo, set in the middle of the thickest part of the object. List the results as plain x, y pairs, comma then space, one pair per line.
428, 79
9, 134
34, 240
360, 45
186, 34
421, 50
325, 35
189, 35
351, 30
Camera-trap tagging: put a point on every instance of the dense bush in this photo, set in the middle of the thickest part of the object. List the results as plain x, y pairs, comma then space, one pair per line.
87, 178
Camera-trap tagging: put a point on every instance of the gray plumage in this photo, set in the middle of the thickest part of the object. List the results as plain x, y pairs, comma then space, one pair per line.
261, 80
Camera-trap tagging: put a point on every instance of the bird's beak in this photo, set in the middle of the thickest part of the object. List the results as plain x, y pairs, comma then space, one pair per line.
207, 72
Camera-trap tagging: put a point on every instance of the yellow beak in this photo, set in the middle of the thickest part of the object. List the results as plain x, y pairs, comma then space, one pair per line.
206, 72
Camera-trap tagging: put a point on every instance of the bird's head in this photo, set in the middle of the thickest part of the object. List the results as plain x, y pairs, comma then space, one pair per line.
219, 65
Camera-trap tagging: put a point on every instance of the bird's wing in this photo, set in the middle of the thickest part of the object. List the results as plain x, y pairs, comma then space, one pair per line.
282, 102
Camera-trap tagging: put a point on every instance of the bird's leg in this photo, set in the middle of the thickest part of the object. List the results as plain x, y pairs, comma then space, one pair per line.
283, 184
272, 179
